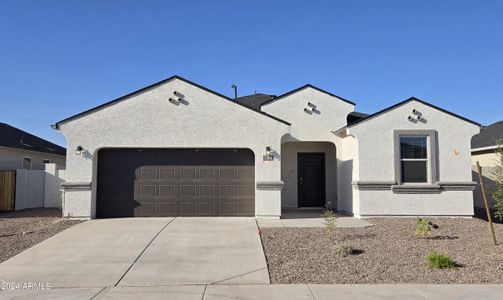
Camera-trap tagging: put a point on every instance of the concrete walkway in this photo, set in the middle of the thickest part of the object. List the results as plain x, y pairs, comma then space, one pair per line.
266, 292
144, 252
310, 218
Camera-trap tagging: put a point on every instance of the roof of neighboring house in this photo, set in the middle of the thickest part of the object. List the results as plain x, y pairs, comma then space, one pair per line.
488, 136
12, 137
408, 100
254, 101
56, 126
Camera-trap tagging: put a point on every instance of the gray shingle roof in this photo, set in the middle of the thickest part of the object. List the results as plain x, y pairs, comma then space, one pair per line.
13, 137
254, 101
488, 136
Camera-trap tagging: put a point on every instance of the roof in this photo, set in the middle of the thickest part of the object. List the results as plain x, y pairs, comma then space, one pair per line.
12, 137
56, 126
406, 101
488, 136
254, 101
303, 87
355, 117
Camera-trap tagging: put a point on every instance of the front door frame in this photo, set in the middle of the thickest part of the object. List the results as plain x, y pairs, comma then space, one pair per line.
300, 178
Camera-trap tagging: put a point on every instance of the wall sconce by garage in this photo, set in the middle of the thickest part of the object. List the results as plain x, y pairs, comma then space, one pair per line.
79, 150
268, 154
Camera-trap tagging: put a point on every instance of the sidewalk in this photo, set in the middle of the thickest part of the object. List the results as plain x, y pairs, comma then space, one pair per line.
265, 292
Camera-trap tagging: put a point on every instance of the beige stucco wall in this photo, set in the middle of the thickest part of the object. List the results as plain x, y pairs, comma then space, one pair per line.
12, 159
485, 158
377, 162
488, 161
149, 120
289, 151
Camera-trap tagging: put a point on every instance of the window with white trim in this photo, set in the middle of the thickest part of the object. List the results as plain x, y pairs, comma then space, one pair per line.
414, 159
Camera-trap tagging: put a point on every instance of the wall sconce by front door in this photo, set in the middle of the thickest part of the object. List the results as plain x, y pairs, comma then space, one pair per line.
79, 150
268, 154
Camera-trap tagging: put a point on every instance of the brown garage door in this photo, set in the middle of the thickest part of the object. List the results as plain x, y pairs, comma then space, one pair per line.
175, 182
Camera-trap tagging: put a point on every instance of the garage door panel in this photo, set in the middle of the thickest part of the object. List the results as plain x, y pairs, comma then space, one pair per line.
175, 182
166, 173
187, 208
206, 191
226, 191
167, 190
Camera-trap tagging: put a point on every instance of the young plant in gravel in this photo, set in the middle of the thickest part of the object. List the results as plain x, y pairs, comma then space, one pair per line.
497, 193
423, 228
439, 261
330, 219
346, 249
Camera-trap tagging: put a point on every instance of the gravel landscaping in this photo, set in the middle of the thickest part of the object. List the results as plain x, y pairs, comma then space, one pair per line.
23, 229
387, 252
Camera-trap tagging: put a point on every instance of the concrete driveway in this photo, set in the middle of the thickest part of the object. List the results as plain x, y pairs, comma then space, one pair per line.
144, 252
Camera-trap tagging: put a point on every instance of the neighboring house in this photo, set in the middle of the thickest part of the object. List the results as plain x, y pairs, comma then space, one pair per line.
22, 150
483, 151
176, 148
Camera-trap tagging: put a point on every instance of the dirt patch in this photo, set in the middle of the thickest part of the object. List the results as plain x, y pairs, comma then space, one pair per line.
387, 252
24, 229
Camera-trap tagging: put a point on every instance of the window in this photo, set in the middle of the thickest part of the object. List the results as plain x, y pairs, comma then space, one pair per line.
27, 163
415, 156
46, 161
414, 159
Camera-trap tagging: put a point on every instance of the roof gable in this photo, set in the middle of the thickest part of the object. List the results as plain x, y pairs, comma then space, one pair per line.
125, 97
374, 115
302, 88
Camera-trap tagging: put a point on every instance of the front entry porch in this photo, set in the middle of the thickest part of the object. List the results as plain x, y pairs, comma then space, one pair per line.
309, 173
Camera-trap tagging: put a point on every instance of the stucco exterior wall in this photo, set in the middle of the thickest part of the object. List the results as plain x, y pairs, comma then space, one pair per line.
149, 120
289, 151
330, 114
377, 162
347, 162
12, 159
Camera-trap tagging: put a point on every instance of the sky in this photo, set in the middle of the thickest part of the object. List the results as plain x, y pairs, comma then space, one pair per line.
59, 58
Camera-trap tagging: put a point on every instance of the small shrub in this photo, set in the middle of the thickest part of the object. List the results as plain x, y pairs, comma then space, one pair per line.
439, 261
330, 219
423, 228
346, 249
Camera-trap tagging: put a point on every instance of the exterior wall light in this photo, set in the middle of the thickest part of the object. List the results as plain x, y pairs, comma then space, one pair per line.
79, 150
268, 154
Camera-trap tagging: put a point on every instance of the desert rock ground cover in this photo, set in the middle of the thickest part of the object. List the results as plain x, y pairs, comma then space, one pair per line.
388, 252
23, 229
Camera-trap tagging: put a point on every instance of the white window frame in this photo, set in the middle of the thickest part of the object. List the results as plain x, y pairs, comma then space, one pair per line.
31, 162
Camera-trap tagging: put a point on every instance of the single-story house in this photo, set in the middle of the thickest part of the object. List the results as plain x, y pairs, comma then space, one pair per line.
22, 150
176, 148
484, 145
